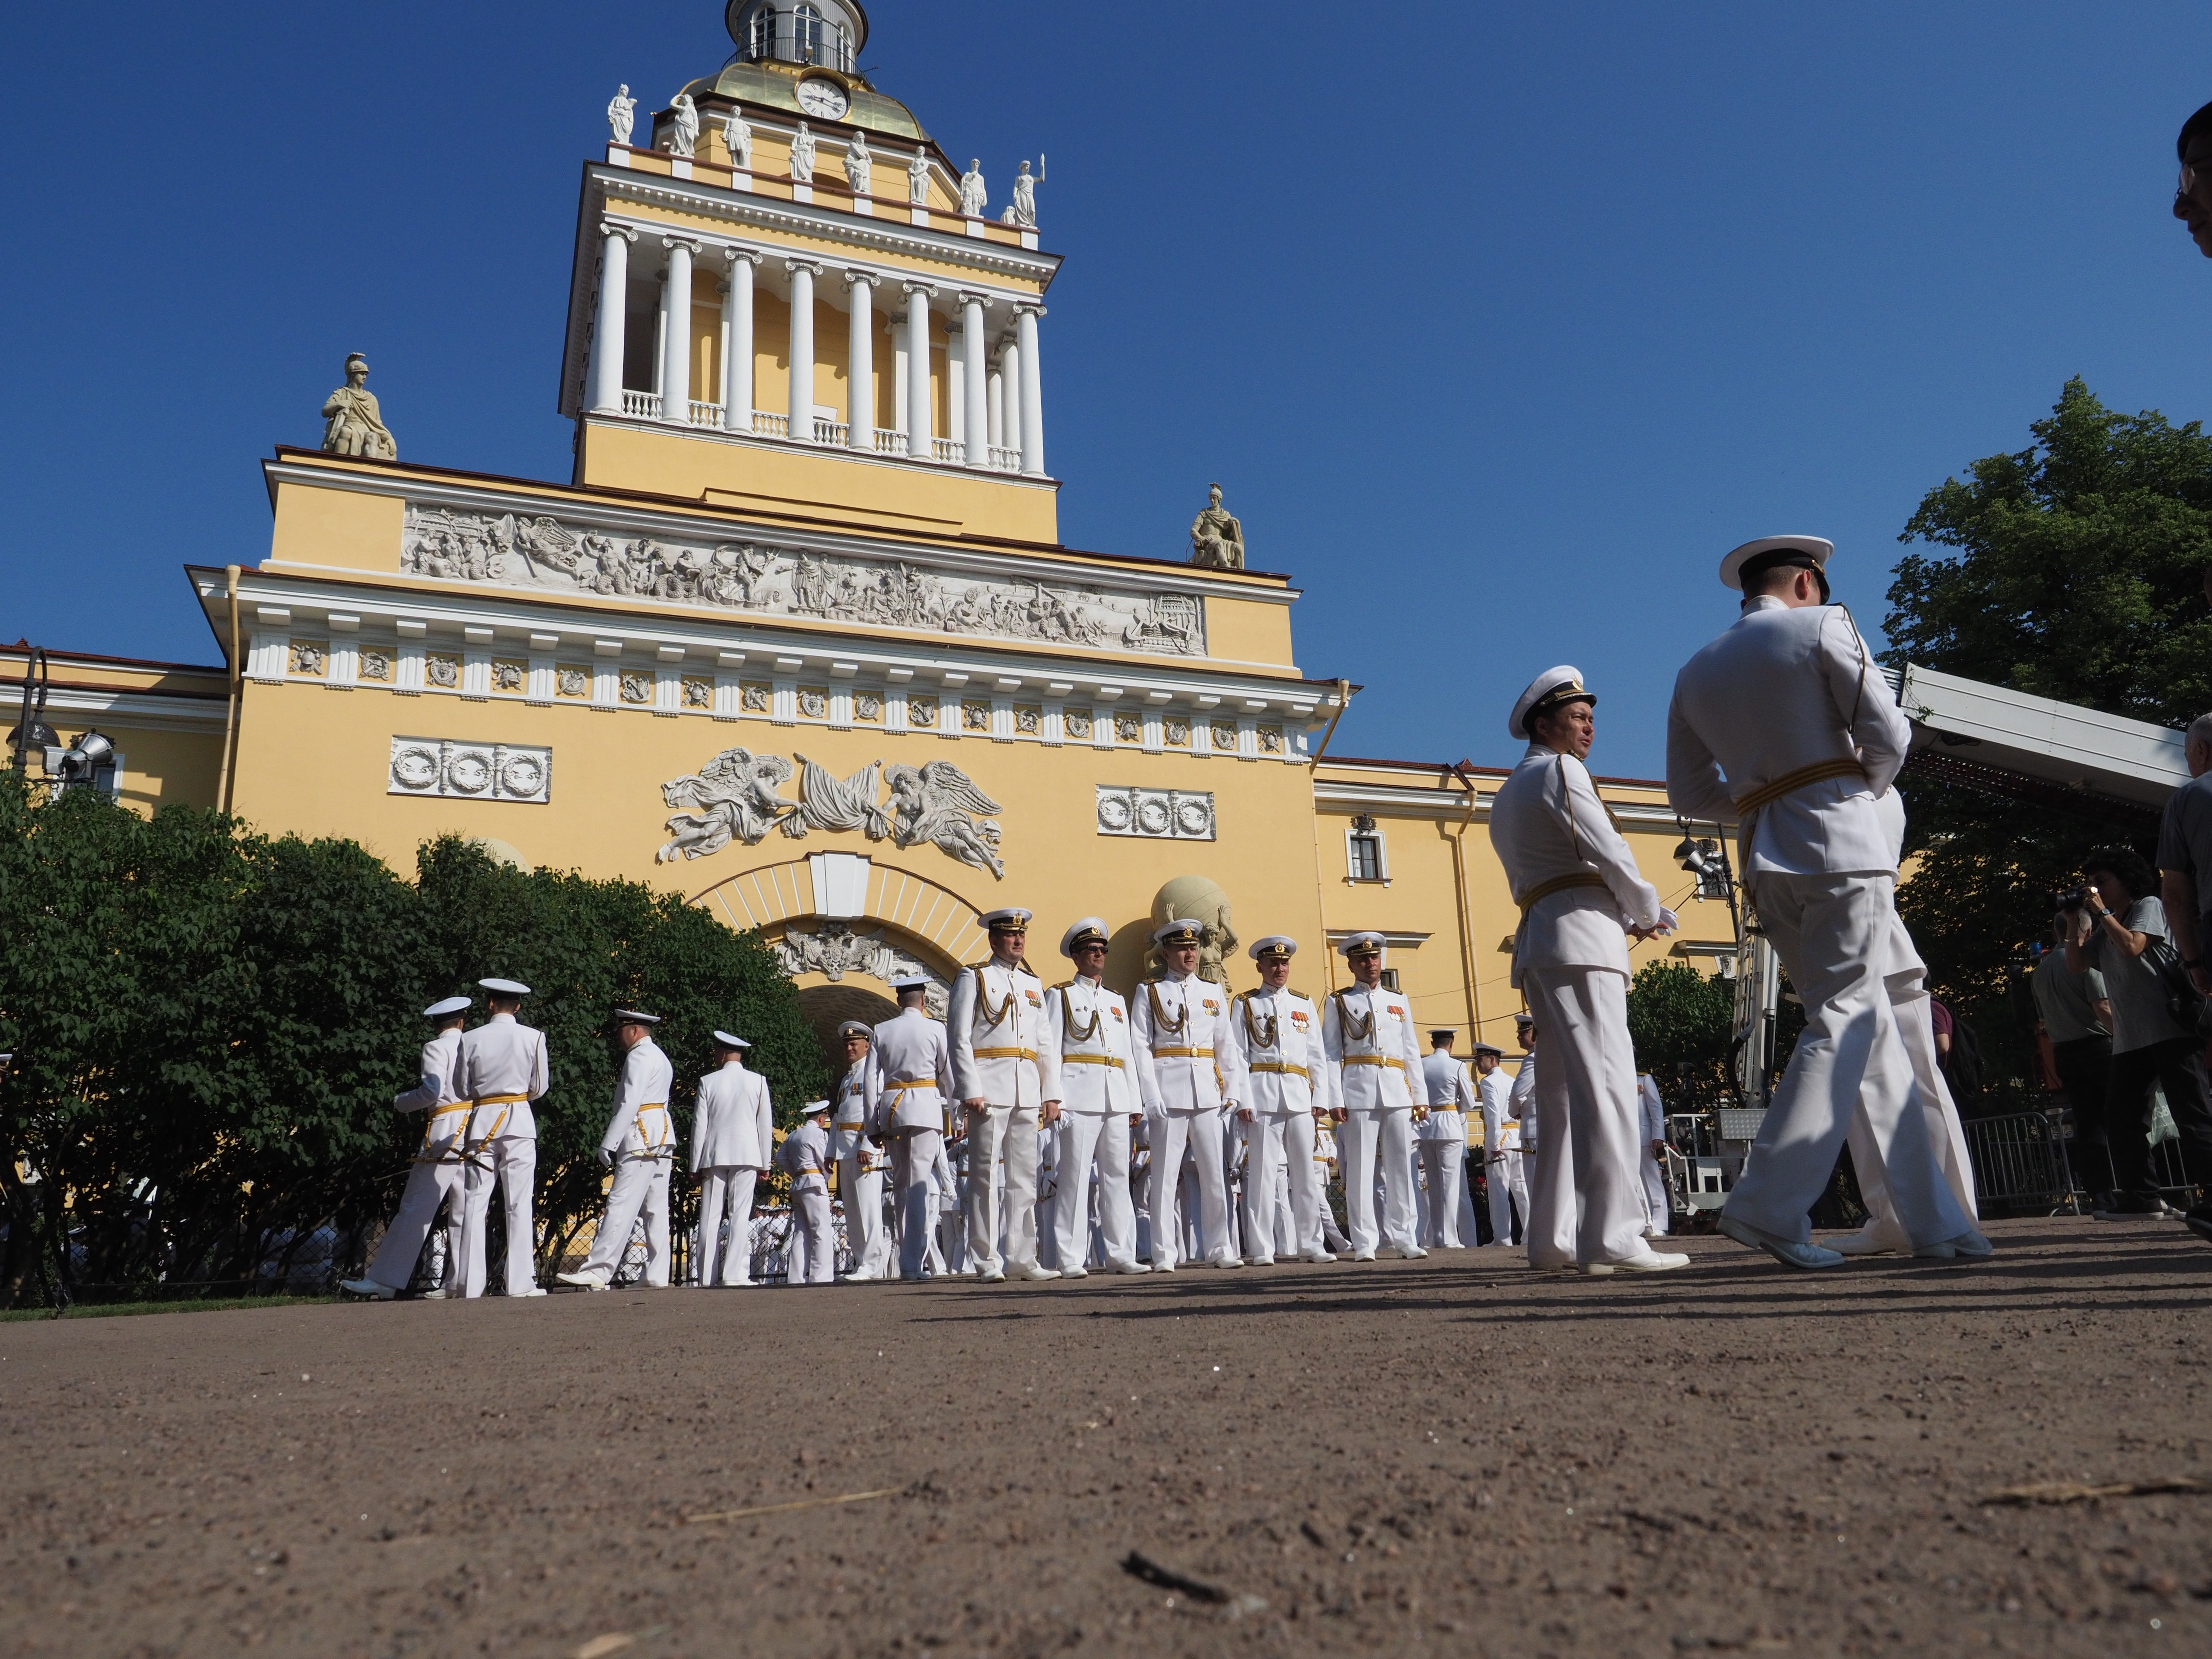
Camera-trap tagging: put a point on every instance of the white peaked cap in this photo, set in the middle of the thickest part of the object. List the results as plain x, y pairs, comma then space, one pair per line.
1011, 916
1819, 547
728, 1041
1273, 944
632, 1017
1566, 678
813, 1108
1088, 924
1362, 942
856, 1028
910, 982
440, 1009
1174, 930
505, 987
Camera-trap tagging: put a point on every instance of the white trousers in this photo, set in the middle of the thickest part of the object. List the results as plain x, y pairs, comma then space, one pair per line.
1280, 1159
1366, 1141
511, 1161
915, 1154
863, 1191
1832, 934
1502, 1176
1010, 1133
1088, 1141
1200, 1134
1444, 1164
641, 1191
724, 1191
1658, 1208
1585, 1194
1907, 984
810, 1256
429, 1184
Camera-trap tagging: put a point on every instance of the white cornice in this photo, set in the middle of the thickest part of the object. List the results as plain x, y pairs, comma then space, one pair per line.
1406, 801
140, 709
722, 434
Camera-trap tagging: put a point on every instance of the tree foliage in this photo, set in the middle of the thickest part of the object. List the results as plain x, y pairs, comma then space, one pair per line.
1681, 1021
209, 1026
2072, 570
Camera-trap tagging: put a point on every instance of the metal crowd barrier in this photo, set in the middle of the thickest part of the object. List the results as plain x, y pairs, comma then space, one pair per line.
2036, 1162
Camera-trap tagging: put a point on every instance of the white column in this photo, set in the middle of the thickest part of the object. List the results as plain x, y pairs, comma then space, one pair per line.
996, 401
738, 340
917, 371
978, 436
675, 337
898, 376
1033, 394
860, 362
803, 273
608, 335
1009, 381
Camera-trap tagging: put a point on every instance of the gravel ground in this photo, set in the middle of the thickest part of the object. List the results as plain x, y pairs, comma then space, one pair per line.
1449, 1457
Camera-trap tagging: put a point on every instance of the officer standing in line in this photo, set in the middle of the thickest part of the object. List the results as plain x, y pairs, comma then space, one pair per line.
1441, 1141
732, 1141
438, 1175
810, 1257
1368, 1033
1501, 1142
1276, 1076
860, 1167
502, 1070
1180, 1026
909, 1083
1083, 1066
993, 1019
639, 1146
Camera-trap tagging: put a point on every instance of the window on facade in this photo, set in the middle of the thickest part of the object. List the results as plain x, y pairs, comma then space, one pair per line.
1365, 856
806, 34
764, 32
1389, 978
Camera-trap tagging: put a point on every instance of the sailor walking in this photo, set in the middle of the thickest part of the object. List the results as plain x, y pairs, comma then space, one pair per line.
502, 1070
860, 1161
1440, 1142
1180, 1024
733, 1141
437, 1178
1367, 1032
910, 1081
1501, 1142
1084, 1074
1276, 1076
1580, 896
993, 1019
810, 1257
1784, 726
640, 1147
1658, 1214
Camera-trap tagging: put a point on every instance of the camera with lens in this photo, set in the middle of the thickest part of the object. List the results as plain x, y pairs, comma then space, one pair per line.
2073, 899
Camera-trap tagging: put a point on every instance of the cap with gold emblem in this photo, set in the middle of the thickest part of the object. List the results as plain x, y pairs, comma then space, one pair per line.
1810, 553
853, 1028
1091, 930
1362, 944
1012, 919
1276, 947
1182, 931
1552, 689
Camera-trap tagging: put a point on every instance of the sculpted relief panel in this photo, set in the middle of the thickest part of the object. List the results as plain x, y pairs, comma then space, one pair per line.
546, 554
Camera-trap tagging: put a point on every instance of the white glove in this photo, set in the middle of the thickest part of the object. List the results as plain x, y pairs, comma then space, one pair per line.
606, 1158
1668, 921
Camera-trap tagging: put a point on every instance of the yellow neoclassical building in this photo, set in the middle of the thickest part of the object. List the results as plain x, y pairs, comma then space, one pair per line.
798, 638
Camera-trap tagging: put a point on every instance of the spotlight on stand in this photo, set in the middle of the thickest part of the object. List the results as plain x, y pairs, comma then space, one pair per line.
81, 762
1703, 859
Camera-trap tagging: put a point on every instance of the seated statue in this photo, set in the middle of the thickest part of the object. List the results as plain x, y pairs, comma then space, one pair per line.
1216, 538
352, 423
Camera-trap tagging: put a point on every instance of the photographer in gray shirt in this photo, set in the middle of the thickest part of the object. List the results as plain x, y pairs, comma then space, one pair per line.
2078, 1020
2114, 921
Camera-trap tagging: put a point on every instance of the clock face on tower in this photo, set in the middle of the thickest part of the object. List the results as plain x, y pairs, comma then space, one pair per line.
823, 100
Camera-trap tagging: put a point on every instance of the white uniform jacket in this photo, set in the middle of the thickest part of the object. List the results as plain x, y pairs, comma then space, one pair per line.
910, 1074
1523, 1097
732, 1129
1451, 1097
1367, 1036
502, 1071
1552, 833
805, 1156
641, 1126
1181, 1029
439, 1093
1655, 1108
1501, 1129
1084, 1060
995, 1019
849, 1119
1782, 691
1275, 1065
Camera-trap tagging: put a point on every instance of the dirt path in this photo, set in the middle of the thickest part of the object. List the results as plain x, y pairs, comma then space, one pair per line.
1449, 1457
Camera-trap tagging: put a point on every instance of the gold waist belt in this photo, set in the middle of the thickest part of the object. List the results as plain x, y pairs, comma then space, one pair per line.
1183, 1054
1283, 1067
1373, 1060
1091, 1059
1790, 782
1544, 890
457, 1106
1005, 1054
918, 1083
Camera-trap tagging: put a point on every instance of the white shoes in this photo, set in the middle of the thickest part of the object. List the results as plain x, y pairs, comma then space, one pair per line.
535, 1290
1128, 1266
1787, 1251
1861, 1242
369, 1288
1363, 1256
1035, 1274
583, 1281
993, 1276
1969, 1244
1229, 1261
1075, 1273
1315, 1256
1159, 1266
1403, 1252
1259, 1261
1651, 1262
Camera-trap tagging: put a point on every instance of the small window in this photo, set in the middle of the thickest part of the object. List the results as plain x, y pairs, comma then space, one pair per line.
763, 35
1389, 978
1366, 858
806, 34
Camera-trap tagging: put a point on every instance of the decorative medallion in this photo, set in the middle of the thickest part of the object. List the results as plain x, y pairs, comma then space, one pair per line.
310, 657
570, 682
509, 676
698, 694
636, 688
1077, 723
480, 771
442, 671
1164, 814
376, 666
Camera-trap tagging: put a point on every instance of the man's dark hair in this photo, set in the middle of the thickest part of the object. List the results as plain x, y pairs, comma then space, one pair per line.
2196, 123
2129, 865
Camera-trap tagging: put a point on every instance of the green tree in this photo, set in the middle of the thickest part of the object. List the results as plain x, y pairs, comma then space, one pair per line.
2072, 570
1679, 1020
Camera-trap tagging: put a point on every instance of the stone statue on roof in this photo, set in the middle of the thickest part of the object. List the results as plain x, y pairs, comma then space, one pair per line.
973, 200
738, 138
1217, 539
859, 165
622, 114
684, 126
802, 156
352, 423
917, 179
1024, 213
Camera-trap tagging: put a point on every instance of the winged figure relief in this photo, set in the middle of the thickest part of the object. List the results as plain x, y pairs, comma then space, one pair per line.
734, 798
938, 804
831, 803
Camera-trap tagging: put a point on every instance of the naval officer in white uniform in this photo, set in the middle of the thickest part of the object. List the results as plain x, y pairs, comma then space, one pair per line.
994, 1018
1501, 1142
502, 1070
1375, 1077
640, 1147
1440, 1143
1087, 1071
1658, 1213
733, 1143
1180, 1025
1785, 726
1580, 896
437, 1177
811, 1255
909, 1094
1277, 1076
859, 1161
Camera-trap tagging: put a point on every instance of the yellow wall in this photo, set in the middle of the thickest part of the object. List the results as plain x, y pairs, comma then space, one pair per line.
337, 527
1238, 630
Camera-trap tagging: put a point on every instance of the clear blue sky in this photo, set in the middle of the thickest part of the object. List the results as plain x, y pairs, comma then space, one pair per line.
1497, 323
